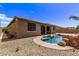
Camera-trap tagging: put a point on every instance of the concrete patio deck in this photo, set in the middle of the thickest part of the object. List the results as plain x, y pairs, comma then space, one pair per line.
38, 41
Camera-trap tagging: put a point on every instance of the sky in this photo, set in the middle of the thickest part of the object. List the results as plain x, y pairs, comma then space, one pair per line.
52, 13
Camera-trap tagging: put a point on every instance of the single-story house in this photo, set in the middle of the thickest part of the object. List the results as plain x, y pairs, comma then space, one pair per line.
21, 28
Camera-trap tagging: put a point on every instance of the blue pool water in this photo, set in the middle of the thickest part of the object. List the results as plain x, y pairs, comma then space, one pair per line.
56, 39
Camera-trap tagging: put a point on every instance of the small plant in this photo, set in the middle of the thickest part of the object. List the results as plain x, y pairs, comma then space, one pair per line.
17, 49
77, 27
59, 34
49, 36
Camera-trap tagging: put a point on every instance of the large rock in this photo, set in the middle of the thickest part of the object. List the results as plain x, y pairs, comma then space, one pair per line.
65, 39
62, 43
77, 41
73, 41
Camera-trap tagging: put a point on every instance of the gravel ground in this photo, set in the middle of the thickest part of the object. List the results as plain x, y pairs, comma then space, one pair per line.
26, 47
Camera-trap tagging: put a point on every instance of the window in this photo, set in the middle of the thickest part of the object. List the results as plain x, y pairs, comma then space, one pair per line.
31, 27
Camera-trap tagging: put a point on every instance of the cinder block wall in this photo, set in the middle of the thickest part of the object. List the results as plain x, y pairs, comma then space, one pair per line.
65, 30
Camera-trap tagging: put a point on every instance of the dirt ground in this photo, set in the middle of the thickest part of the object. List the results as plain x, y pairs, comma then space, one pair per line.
26, 47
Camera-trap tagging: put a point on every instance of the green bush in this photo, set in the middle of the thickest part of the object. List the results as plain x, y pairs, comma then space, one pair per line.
3, 28
77, 27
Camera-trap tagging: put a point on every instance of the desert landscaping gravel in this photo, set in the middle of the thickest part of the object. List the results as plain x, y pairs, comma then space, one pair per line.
26, 47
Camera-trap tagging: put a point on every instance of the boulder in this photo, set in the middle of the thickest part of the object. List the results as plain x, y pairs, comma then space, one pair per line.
62, 43
65, 39
77, 42
72, 41
66, 36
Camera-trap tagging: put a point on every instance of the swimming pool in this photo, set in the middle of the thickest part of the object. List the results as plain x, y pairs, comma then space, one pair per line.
55, 39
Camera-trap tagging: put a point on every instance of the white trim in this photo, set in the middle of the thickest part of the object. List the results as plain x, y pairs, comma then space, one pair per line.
31, 31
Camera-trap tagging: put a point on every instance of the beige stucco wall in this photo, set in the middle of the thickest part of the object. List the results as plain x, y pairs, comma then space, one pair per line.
23, 29
12, 29
20, 30
52, 31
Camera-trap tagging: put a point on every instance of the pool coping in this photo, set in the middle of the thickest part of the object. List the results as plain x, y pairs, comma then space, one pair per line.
38, 41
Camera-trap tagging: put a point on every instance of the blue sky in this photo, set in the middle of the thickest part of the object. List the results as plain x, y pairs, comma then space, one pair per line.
52, 13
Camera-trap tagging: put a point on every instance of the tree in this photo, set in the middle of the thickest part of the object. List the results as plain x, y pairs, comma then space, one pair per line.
77, 27
74, 17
